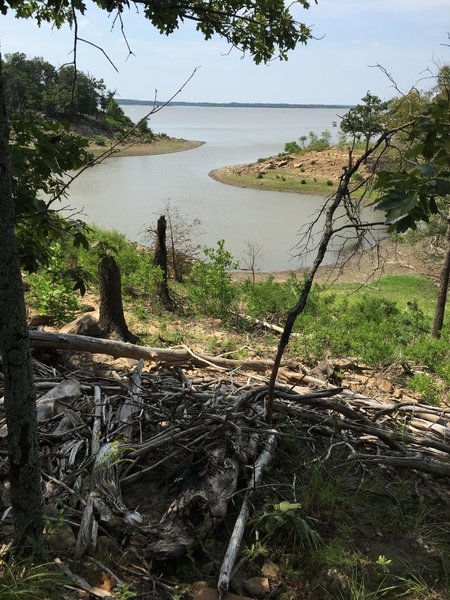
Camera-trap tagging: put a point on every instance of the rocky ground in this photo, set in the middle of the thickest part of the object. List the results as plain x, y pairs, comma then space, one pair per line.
287, 172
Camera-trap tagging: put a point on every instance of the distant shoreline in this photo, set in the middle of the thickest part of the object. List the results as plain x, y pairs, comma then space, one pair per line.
130, 102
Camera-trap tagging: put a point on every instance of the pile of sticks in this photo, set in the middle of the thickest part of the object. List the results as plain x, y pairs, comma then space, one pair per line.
155, 457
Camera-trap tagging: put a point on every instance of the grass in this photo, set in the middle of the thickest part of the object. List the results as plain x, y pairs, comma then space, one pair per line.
289, 183
400, 289
25, 581
296, 183
380, 534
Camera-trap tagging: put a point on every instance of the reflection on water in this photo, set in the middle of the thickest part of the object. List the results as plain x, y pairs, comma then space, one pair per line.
127, 193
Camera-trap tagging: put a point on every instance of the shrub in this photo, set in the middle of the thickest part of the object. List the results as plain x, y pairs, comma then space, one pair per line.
139, 276
292, 148
52, 291
212, 291
427, 388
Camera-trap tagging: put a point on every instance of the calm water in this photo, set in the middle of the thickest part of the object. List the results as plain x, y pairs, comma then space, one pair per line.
128, 193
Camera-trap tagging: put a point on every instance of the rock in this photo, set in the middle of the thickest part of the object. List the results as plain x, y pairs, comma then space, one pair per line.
55, 401
257, 586
324, 370
385, 386
398, 394
38, 320
270, 570
106, 548
60, 538
84, 325
200, 591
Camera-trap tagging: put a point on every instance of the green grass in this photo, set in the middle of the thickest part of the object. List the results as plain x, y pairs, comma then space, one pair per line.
376, 528
400, 289
299, 184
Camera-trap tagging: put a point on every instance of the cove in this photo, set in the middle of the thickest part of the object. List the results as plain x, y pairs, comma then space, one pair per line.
128, 193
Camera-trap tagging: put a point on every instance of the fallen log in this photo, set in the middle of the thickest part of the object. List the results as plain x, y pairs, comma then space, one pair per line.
166, 356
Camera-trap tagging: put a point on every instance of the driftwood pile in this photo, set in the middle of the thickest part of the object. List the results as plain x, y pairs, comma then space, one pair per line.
154, 459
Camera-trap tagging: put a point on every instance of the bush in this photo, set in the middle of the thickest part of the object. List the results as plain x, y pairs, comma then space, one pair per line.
52, 291
427, 388
212, 291
139, 276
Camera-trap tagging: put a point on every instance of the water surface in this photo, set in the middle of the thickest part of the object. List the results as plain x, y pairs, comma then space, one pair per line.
128, 193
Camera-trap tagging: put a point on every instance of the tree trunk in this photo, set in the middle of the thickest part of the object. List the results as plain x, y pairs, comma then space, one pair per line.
111, 319
160, 260
20, 399
443, 289
177, 269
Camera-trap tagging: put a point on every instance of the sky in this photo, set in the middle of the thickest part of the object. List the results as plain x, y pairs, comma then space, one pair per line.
406, 37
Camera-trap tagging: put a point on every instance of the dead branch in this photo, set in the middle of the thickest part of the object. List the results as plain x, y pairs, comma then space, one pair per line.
162, 356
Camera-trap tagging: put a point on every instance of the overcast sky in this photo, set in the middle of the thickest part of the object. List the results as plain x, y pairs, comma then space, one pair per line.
405, 36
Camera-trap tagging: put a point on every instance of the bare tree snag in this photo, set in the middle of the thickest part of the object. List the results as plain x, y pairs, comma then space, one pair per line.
112, 320
20, 399
160, 260
342, 196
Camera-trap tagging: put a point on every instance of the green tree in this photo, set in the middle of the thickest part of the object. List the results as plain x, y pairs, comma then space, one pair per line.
74, 93
366, 120
27, 82
421, 188
264, 29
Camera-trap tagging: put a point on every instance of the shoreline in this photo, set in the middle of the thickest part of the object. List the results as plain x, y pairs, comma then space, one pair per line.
159, 146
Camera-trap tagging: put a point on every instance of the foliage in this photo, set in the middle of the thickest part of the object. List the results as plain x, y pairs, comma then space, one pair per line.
23, 580
36, 85
115, 117
282, 521
212, 291
411, 196
138, 274
365, 120
42, 154
271, 300
347, 505
52, 290
266, 29
315, 144
426, 386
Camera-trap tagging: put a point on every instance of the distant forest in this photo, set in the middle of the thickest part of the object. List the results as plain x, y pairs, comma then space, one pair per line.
128, 101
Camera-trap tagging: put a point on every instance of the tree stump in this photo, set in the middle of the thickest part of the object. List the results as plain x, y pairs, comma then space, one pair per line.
160, 260
112, 320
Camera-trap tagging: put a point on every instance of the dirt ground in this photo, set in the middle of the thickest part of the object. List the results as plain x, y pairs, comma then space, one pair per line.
388, 258
324, 165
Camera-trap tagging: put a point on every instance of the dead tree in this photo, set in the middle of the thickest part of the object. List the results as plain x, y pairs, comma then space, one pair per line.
160, 260
112, 320
330, 229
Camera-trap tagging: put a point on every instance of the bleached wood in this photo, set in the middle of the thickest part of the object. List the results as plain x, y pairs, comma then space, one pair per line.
165, 356
238, 531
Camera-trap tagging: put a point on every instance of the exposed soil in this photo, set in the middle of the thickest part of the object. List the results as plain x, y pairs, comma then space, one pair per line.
288, 172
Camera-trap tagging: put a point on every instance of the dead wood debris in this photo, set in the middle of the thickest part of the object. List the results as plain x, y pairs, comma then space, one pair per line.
154, 458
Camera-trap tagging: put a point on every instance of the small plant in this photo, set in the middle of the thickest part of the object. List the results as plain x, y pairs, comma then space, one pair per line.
52, 292
259, 175
99, 140
358, 177
283, 520
426, 387
329, 182
24, 580
303, 181
124, 591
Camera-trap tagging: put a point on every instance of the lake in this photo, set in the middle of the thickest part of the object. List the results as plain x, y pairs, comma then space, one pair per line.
128, 193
